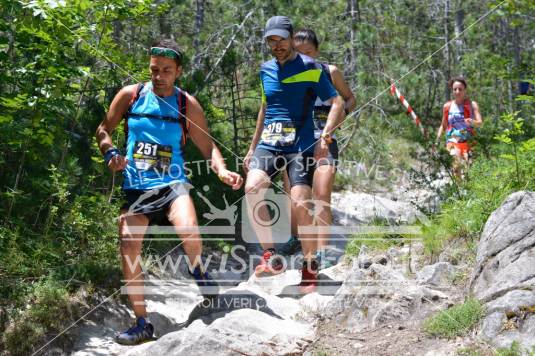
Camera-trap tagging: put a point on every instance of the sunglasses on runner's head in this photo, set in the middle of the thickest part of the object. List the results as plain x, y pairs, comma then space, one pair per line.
164, 52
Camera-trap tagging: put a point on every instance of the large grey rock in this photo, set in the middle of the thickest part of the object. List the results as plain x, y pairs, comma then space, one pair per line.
504, 275
381, 295
351, 208
251, 318
436, 274
242, 331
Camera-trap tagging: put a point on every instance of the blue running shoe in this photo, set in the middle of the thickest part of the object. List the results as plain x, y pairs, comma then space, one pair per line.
207, 286
291, 247
141, 332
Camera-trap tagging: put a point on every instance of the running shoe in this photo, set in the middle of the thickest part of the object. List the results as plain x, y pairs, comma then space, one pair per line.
207, 286
271, 264
142, 331
309, 277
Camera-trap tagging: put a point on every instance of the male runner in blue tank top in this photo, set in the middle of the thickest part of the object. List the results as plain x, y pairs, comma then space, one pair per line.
284, 139
155, 183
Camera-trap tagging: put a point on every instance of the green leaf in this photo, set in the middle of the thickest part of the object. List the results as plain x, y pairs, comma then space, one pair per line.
528, 145
508, 156
15, 103
6, 118
525, 98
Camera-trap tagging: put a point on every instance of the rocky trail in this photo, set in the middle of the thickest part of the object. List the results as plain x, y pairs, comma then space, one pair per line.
371, 304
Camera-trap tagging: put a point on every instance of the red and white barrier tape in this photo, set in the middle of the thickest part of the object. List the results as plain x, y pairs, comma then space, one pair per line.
410, 111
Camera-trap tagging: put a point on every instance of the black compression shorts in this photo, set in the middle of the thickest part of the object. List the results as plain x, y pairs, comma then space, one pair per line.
299, 166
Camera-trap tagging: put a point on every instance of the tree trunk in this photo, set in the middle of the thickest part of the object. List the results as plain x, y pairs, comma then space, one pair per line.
447, 64
165, 27
459, 42
351, 55
117, 30
199, 20
234, 113
517, 55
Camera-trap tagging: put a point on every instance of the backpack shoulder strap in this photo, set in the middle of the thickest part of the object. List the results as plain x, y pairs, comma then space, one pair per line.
182, 114
468, 110
135, 95
446, 113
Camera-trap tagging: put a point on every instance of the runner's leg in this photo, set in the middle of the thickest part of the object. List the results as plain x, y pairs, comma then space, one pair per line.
322, 189
256, 185
131, 232
184, 219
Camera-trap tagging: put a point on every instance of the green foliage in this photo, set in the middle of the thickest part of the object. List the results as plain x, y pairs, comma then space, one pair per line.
489, 182
468, 351
455, 321
48, 311
512, 131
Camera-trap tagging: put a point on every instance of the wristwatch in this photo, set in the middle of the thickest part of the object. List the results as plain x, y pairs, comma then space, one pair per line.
327, 137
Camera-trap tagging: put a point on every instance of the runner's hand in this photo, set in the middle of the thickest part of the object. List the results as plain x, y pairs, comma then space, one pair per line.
469, 121
117, 163
321, 150
232, 179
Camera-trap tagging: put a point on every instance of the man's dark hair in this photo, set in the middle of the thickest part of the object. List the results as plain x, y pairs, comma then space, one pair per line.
457, 79
171, 44
306, 35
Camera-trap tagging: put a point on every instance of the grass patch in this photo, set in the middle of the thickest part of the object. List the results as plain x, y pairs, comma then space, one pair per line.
456, 321
468, 351
514, 350
489, 182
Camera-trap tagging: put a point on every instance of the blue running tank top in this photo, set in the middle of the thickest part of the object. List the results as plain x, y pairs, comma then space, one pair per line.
457, 128
154, 146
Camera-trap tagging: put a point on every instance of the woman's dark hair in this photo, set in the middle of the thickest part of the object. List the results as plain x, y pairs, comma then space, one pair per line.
306, 35
171, 44
457, 79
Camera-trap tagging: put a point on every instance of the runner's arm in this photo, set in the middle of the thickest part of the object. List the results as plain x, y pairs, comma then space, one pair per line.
201, 137
118, 108
443, 124
343, 89
257, 134
334, 120
335, 117
478, 121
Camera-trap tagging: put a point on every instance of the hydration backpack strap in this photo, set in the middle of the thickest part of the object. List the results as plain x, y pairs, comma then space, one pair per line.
468, 110
182, 117
446, 114
135, 95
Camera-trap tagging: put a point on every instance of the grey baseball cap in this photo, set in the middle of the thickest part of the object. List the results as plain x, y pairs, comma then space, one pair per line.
278, 26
